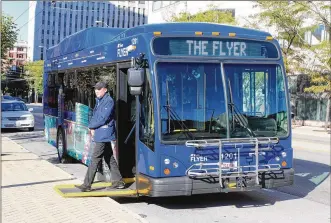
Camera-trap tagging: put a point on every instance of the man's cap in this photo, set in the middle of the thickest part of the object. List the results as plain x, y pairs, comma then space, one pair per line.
100, 85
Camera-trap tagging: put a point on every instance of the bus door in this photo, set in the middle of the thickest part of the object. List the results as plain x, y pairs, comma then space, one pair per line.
125, 121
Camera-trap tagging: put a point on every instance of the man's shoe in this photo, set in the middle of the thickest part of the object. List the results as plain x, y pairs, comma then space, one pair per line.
117, 185
83, 188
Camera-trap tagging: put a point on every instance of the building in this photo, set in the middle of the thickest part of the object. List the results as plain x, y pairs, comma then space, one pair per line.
17, 56
51, 21
13, 82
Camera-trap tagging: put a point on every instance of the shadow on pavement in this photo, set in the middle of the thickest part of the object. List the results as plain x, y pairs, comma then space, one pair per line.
35, 183
308, 176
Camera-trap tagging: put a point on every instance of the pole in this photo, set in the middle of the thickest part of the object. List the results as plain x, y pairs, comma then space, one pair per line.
137, 137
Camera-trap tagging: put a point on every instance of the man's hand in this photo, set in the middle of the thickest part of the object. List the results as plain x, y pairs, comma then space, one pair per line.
92, 132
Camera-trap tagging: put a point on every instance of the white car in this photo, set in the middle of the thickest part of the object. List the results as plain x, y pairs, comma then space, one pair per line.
15, 114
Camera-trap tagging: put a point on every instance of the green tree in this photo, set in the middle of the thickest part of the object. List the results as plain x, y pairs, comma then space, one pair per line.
212, 15
34, 76
8, 38
288, 19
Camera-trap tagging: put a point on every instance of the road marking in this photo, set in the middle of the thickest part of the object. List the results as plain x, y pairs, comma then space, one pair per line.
302, 174
318, 179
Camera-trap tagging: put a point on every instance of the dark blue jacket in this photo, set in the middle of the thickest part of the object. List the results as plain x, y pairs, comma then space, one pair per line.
103, 121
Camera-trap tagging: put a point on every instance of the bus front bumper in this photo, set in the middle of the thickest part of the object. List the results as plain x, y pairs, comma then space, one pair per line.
185, 186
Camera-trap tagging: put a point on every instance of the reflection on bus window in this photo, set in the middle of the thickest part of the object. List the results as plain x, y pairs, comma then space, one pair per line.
257, 93
191, 101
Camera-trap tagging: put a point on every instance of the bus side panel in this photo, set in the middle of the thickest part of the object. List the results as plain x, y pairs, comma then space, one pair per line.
51, 129
79, 142
148, 163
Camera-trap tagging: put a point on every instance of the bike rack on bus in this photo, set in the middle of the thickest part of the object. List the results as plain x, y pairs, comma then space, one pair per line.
201, 170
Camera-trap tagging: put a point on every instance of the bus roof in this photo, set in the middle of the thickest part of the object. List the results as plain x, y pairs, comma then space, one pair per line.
90, 37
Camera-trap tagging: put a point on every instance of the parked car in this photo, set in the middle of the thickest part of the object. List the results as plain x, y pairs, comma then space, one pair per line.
20, 99
15, 114
7, 97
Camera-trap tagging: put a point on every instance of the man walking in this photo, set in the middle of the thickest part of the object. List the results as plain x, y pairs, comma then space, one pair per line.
102, 126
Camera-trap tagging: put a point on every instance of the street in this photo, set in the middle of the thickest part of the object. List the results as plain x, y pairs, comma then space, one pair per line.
306, 201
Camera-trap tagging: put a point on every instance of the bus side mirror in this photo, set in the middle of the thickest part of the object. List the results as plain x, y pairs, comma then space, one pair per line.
136, 80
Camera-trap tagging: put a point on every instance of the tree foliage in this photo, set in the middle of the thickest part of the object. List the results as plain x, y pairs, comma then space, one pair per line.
212, 15
8, 34
289, 18
34, 75
8, 38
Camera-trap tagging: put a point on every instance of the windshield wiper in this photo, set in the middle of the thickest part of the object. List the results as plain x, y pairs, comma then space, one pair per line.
238, 115
172, 114
240, 119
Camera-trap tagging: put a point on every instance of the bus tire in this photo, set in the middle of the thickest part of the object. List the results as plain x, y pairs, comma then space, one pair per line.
61, 147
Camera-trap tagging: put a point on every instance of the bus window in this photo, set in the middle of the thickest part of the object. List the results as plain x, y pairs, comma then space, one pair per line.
106, 74
258, 95
147, 113
52, 91
191, 101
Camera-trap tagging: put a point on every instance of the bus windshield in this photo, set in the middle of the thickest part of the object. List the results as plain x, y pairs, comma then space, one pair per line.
193, 105
257, 100
192, 101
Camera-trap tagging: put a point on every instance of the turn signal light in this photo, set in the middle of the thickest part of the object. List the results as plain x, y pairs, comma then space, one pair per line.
269, 38
157, 33
284, 164
198, 33
166, 171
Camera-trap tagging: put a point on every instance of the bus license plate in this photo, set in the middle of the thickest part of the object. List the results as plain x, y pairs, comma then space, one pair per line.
229, 164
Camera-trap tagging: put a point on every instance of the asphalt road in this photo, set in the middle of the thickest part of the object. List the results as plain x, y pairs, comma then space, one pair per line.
306, 201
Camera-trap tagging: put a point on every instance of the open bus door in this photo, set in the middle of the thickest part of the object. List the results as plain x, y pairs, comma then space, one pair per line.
127, 109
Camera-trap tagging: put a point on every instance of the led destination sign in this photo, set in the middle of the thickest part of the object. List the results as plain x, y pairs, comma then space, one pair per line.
214, 47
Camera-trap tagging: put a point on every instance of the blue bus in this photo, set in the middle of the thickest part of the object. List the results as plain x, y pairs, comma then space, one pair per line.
200, 108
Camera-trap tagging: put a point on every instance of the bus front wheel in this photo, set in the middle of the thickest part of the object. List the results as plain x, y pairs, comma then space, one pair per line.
61, 147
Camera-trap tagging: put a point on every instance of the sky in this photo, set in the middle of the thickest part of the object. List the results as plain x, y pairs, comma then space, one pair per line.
15, 9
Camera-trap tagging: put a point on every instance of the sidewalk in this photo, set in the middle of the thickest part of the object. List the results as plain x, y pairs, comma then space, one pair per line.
311, 138
311, 131
28, 194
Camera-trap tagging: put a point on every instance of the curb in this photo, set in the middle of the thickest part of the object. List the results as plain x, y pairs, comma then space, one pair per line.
110, 200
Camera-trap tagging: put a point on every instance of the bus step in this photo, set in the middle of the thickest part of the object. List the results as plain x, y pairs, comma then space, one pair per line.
98, 190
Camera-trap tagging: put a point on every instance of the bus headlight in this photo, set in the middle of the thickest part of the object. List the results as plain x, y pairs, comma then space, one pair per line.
284, 154
277, 158
166, 161
175, 165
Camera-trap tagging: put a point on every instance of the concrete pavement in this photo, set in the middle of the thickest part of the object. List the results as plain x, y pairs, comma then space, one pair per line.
28, 194
311, 138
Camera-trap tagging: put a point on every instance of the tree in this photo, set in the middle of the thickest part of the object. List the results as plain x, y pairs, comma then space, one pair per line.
288, 19
212, 15
8, 38
34, 76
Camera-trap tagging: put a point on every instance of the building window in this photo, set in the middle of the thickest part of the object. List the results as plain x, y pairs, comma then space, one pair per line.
141, 2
